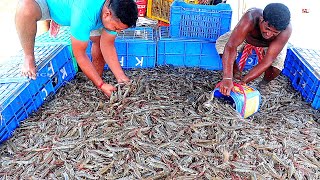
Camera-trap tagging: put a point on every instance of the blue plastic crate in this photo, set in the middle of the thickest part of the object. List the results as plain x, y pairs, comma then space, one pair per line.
8, 93
186, 52
47, 90
50, 59
16, 104
308, 85
64, 75
303, 72
136, 48
13, 97
7, 129
316, 101
251, 61
289, 69
310, 57
307, 77
199, 21
55, 55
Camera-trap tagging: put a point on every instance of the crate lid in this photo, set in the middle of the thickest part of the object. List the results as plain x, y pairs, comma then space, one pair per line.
11, 68
137, 33
311, 58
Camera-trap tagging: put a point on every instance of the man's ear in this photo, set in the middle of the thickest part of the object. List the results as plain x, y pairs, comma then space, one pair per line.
261, 19
107, 12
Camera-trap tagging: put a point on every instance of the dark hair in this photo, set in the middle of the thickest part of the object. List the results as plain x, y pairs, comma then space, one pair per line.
125, 10
277, 15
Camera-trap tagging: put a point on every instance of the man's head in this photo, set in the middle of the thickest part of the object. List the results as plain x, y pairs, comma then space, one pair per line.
119, 14
277, 15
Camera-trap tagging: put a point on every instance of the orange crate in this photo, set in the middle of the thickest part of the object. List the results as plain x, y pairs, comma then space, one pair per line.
191, 1
159, 9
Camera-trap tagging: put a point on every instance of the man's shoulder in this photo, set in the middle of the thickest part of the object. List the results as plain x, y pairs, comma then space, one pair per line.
252, 16
254, 12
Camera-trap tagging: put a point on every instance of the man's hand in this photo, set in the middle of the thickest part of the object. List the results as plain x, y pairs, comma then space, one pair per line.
226, 86
29, 68
123, 79
107, 89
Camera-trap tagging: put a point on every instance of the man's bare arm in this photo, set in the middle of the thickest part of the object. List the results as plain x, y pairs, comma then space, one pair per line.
238, 35
110, 55
79, 50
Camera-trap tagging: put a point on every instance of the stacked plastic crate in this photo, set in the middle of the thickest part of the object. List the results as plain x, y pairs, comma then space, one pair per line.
136, 47
190, 39
21, 96
186, 52
303, 69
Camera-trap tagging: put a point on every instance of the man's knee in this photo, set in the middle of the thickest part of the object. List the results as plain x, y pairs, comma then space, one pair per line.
28, 9
95, 44
95, 39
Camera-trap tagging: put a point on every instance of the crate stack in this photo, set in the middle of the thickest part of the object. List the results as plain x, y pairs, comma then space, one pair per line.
20, 96
136, 48
190, 38
186, 52
302, 67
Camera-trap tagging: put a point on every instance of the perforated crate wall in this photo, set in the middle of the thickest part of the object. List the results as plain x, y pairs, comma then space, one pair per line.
187, 52
289, 69
199, 21
136, 48
16, 103
303, 70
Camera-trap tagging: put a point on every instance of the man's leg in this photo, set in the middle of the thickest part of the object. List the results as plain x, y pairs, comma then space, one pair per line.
237, 74
271, 73
27, 14
97, 57
275, 69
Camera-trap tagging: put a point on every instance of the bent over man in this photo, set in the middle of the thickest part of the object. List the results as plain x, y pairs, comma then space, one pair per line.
265, 31
97, 20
